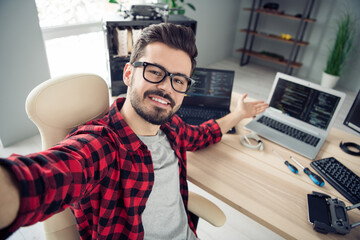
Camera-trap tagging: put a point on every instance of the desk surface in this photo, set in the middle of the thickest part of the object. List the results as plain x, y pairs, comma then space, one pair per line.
259, 185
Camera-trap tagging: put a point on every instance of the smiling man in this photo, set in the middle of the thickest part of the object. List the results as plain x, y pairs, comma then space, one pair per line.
123, 175
154, 101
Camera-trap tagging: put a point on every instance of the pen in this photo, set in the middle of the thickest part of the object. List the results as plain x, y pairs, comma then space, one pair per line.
315, 178
289, 165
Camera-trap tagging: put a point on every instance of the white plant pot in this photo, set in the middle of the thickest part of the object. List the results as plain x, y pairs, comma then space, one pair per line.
328, 80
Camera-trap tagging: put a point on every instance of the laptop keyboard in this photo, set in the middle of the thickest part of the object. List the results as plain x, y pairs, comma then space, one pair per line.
202, 114
198, 115
290, 131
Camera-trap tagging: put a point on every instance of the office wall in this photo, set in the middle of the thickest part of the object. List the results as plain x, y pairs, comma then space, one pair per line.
328, 16
23, 65
216, 27
319, 34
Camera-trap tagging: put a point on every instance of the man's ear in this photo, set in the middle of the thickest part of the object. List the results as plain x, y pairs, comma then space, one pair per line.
127, 73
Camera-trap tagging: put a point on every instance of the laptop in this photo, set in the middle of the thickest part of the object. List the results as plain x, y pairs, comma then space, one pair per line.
300, 115
209, 98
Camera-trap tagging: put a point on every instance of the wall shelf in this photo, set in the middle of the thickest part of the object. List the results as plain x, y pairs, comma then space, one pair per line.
274, 37
296, 41
279, 14
269, 58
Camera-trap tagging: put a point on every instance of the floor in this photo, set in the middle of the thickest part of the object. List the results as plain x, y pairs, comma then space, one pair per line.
252, 79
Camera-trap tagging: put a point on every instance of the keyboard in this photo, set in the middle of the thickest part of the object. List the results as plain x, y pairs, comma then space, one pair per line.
201, 113
340, 177
198, 115
290, 131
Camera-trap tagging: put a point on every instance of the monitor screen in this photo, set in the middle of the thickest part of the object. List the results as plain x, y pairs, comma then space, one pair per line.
304, 103
352, 119
213, 88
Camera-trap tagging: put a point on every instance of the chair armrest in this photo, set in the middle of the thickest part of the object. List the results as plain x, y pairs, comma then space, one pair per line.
61, 226
206, 209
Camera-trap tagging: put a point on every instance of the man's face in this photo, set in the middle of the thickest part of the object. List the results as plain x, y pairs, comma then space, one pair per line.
157, 103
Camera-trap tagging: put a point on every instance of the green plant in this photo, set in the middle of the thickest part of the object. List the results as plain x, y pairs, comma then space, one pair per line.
178, 6
344, 39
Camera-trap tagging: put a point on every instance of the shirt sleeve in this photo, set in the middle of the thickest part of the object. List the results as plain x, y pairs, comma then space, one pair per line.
53, 179
200, 136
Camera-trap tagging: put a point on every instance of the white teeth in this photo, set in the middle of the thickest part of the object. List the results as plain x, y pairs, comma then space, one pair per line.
159, 100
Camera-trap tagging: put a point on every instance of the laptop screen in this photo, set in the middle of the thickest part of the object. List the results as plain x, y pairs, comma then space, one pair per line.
304, 103
213, 88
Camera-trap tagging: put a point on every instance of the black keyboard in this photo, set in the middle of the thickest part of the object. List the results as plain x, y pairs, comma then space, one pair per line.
201, 113
340, 177
290, 131
198, 115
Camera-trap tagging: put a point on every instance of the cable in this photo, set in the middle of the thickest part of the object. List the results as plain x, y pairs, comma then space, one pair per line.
346, 147
245, 141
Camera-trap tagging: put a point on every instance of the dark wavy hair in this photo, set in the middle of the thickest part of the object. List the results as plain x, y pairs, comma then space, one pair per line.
173, 35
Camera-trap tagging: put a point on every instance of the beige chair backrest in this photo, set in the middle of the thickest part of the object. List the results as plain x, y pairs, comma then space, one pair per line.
57, 106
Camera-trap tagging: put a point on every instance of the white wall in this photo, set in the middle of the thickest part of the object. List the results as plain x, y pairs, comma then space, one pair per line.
328, 16
216, 27
23, 65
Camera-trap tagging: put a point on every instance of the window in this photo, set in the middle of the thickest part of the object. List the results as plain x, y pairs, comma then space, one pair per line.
64, 12
73, 34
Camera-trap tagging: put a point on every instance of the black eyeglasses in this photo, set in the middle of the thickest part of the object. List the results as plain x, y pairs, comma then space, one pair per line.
154, 73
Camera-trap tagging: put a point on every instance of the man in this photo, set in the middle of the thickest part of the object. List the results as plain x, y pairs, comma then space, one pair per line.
123, 175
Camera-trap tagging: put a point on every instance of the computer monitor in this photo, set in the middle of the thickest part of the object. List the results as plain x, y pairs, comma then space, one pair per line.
352, 119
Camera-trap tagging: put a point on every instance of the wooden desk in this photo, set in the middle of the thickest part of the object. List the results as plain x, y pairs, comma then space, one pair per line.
259, 185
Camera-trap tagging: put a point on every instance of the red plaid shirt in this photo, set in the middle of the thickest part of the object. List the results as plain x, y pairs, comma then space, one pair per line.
104, 173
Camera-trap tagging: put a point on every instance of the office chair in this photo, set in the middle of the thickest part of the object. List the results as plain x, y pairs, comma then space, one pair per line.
58, 105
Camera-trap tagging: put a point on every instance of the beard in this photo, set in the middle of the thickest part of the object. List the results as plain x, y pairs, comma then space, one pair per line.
156, 115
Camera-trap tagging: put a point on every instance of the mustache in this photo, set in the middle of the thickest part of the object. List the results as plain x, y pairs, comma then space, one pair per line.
160, 94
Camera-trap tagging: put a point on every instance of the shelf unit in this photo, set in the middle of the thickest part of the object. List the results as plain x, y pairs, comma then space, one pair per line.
297, 42
116, 62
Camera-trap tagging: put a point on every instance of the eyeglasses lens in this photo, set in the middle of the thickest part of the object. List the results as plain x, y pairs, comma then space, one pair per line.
155, 74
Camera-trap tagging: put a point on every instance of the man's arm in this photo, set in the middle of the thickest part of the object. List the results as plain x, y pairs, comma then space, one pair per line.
9, 198
243, 110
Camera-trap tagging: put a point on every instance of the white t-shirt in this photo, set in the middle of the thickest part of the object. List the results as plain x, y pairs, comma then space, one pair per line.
164, 216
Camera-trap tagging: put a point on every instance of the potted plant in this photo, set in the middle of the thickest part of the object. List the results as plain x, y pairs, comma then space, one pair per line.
339, 52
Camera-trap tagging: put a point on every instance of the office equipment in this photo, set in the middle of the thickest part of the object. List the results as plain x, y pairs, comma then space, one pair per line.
340, 177
209, 98
289, 165
256, 185
349, 146
151, 11
352, 119
315, 178
300, 114
120, 35
246, 142
328, 214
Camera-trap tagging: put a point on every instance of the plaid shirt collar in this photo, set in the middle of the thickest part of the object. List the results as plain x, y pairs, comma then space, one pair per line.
128, 137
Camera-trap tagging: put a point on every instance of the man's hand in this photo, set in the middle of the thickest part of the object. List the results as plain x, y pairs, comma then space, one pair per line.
9, 198
242, 110
249, 109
